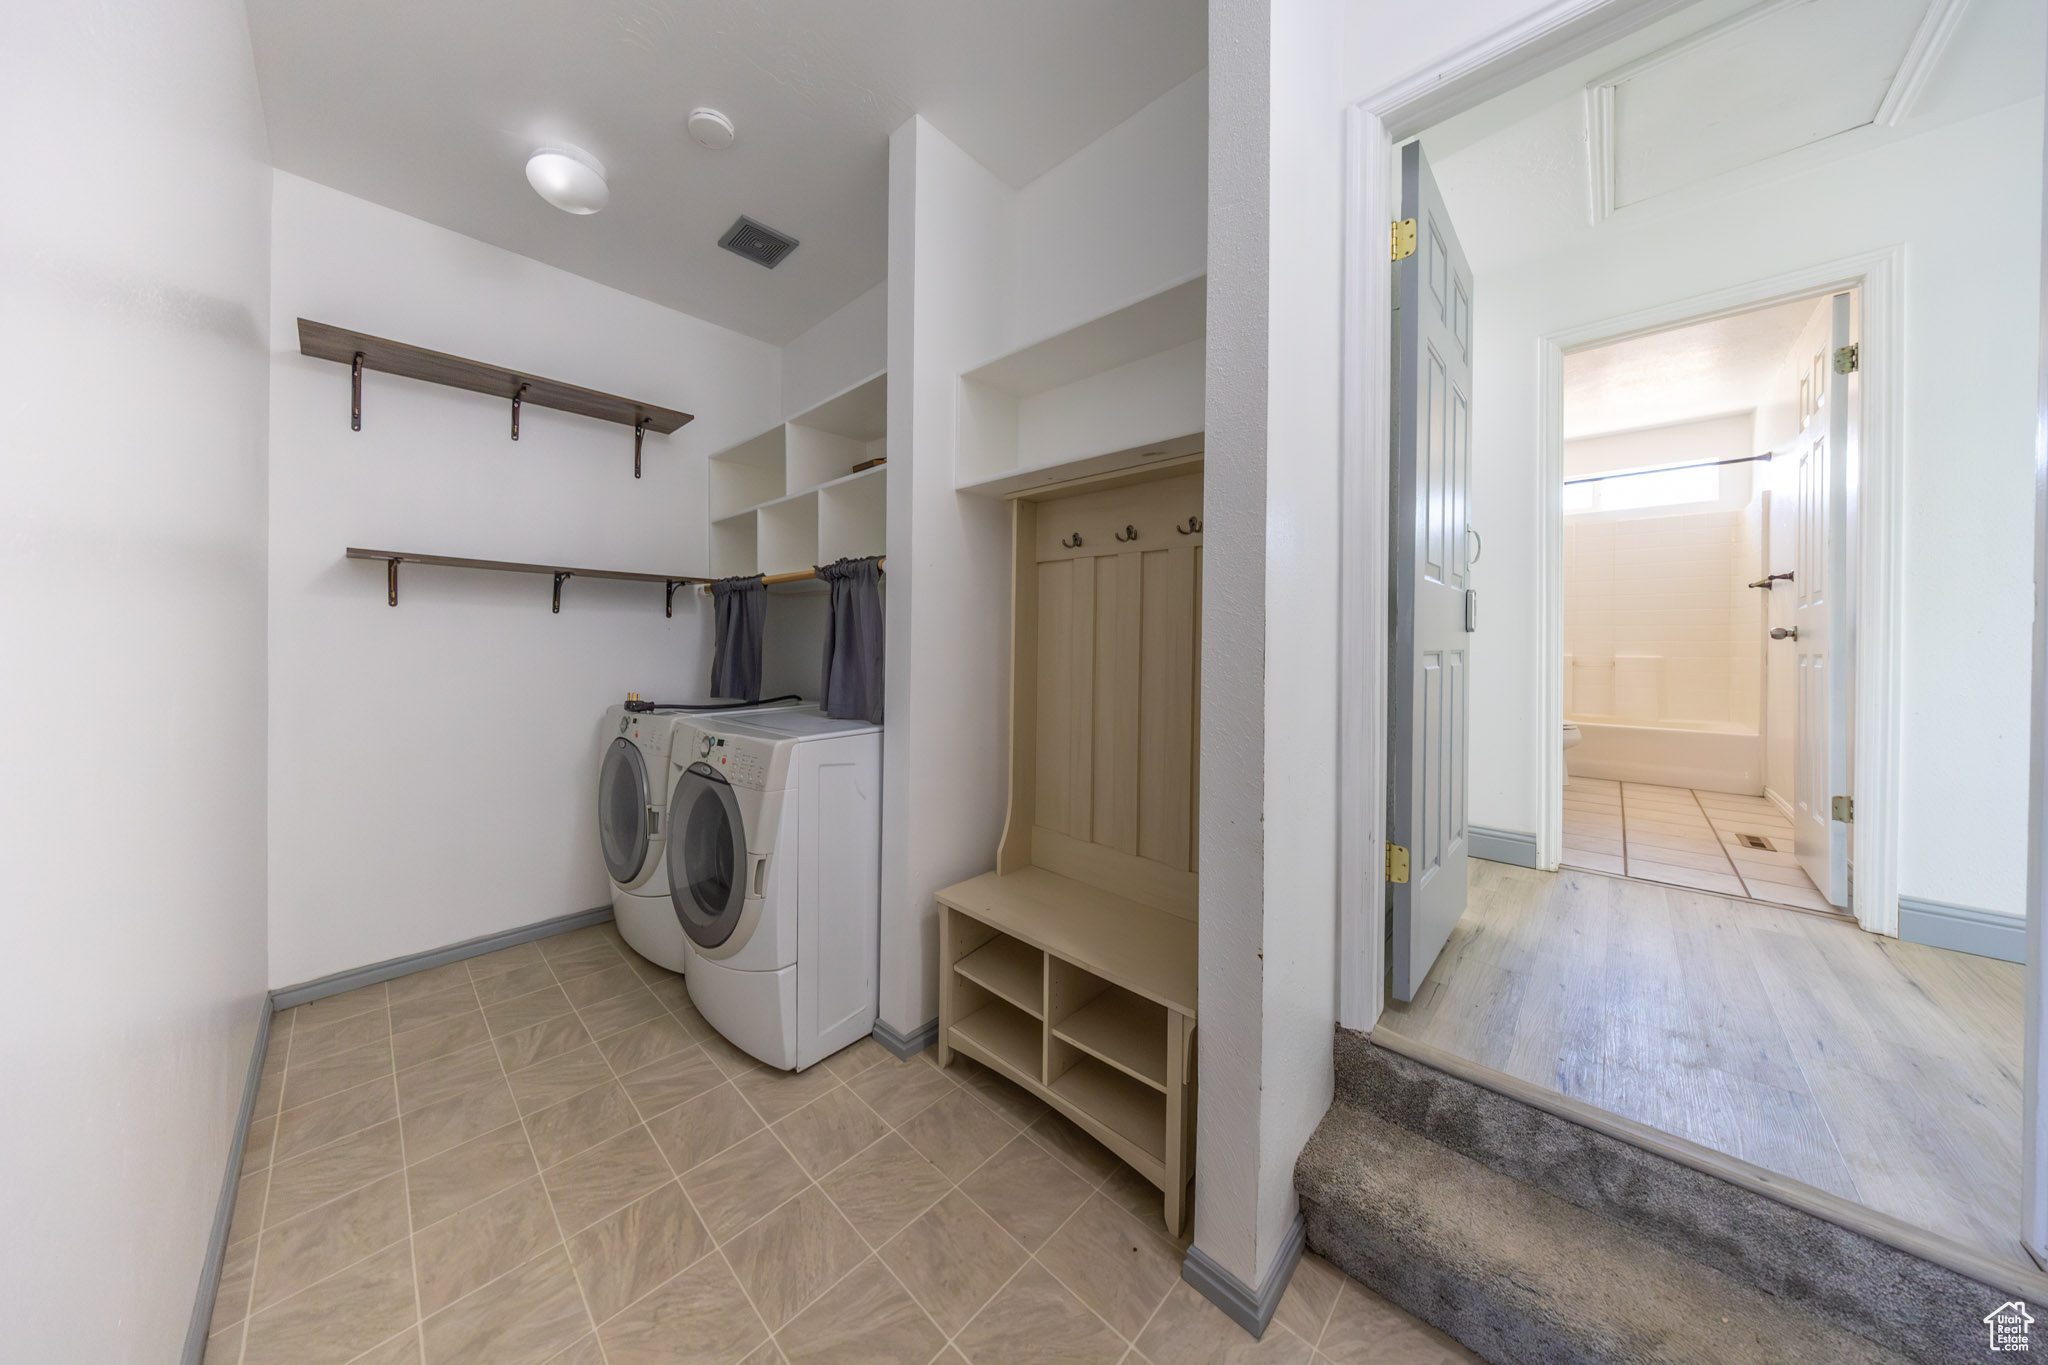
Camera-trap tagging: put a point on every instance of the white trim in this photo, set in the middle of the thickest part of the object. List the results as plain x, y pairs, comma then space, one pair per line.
1875, 725
1463, 80
2033, 1209
1784, 806
1923, 55
1362, 588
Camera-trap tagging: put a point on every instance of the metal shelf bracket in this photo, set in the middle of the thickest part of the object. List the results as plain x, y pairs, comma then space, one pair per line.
560, 577
669, 605
355, 393
518, 395
639, 432
391, 582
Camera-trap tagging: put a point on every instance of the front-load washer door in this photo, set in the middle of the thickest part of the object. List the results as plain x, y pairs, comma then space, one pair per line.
623, 829
707, 856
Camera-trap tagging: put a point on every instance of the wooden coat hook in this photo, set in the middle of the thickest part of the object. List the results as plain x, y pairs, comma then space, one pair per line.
1128, 534
1072, 544
1194, 527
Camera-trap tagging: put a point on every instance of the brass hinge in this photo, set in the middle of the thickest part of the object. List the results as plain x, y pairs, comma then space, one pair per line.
1401, 238
1844, 809
1397, 864
1848, 359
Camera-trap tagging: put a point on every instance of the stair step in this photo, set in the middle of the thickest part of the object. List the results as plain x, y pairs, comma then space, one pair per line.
1812, 1255
1523, 1277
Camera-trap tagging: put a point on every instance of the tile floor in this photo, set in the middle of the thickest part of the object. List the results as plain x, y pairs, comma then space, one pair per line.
544, 1155
1685, 838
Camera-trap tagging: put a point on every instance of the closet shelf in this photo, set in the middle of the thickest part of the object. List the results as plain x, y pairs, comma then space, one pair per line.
360, 351
1123, 1030
1012, 970
1003, 1037
561, 573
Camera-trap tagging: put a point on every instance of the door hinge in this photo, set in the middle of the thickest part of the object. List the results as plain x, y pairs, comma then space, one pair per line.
1397, 864
1848, 359
1844, 809
1401, 239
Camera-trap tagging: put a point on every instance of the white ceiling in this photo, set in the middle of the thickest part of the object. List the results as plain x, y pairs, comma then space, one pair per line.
1721, 95
431, 107
1705, 370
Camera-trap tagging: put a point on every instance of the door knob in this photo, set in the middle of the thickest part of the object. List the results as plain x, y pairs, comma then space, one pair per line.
1783, 633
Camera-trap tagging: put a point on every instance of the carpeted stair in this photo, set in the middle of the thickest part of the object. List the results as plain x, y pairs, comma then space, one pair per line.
1533, 1238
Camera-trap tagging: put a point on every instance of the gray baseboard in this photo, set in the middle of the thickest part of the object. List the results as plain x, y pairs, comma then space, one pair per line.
217, 1244
1503, 846
1963, 929
907, 1045
1248, 1310
284, 997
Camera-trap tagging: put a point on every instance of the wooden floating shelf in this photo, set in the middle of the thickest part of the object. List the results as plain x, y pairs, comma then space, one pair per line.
561, 573
361, 351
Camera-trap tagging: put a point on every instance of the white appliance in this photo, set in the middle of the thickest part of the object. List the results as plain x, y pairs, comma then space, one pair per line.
632, 803
774, 868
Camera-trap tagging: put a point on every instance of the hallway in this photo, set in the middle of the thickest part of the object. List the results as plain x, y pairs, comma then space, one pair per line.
1880, 1071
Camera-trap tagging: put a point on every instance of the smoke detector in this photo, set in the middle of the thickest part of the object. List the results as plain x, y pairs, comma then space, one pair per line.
709, 128
758, 242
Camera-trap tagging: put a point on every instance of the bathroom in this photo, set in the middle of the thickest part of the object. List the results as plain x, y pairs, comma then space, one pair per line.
1680, 721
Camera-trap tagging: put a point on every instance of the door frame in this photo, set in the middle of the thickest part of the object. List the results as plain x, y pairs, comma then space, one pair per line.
1493, 65
1879, 276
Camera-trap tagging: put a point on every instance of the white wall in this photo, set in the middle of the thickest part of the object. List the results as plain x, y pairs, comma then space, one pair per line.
1964, 201
133, 274
432, 767
1268, 833
945, 752
837, 353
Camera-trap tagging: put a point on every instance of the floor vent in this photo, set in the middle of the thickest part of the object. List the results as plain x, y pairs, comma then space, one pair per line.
758, 242
1756, 841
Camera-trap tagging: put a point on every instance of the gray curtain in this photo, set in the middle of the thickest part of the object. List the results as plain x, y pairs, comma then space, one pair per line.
741, 610
853, 640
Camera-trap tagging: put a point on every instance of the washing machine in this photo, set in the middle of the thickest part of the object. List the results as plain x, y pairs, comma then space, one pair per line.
632, 799
774, 872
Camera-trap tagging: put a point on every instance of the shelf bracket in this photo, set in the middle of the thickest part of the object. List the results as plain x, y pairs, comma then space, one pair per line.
559, 577
671, 586
355, 393
639, 431
391, 582
517, 395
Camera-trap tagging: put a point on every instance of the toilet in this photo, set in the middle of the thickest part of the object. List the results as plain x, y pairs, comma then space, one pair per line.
1571, 734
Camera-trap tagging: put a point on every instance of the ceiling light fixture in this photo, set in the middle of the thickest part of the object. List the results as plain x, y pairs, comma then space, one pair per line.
709, 128
570, 179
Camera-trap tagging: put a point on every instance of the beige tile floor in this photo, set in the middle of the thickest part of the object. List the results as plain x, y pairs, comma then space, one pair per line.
545, 1155
1681, 837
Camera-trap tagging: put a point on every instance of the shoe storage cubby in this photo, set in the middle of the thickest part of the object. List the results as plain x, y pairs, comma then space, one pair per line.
792, 497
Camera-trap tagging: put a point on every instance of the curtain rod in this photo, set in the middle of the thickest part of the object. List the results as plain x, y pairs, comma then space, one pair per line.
1667, 469
771, 579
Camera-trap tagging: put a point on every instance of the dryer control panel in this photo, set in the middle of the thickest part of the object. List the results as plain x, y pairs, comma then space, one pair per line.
740, 764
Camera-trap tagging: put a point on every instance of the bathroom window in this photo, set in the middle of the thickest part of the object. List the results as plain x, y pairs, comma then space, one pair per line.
1645, 491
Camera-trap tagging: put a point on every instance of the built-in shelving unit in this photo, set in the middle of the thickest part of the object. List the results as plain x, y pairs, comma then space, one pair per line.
561, 573
1072, 967
1114, 392
793, 497
360, 351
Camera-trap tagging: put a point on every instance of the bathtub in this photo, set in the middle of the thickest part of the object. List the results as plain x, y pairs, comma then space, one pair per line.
1715, 756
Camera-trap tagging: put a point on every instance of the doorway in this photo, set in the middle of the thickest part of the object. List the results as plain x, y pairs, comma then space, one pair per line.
1698, 467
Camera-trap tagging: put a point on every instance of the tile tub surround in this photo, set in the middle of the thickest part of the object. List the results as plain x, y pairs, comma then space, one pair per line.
1685, 838
545, 1155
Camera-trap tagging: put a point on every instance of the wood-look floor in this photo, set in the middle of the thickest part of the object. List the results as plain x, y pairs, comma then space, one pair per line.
1881, 1071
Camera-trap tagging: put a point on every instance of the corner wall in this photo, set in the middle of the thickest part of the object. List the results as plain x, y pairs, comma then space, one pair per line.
433, 767
133, 278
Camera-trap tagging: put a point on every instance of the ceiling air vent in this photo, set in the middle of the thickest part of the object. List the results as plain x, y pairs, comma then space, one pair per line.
758, 242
